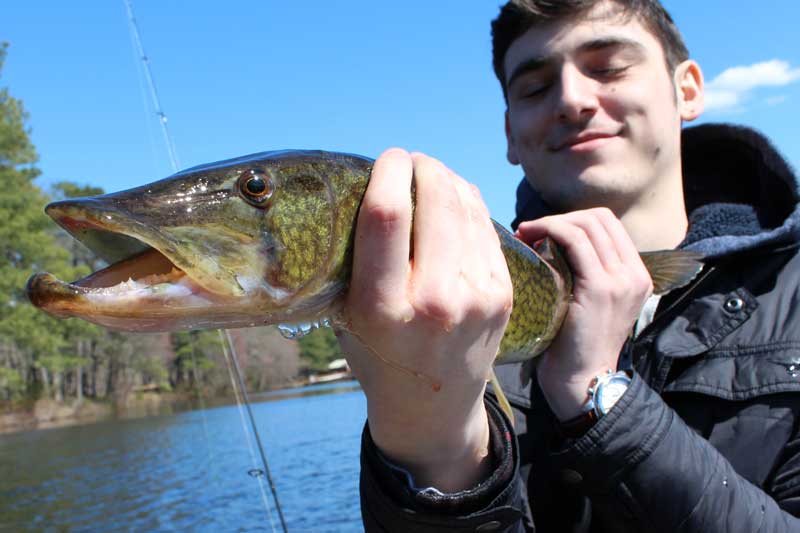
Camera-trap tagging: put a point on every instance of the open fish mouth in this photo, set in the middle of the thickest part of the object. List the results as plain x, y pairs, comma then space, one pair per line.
144, 288
148, 275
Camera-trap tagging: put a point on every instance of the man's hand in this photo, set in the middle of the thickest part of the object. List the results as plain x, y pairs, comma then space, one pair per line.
610, 286
436, 304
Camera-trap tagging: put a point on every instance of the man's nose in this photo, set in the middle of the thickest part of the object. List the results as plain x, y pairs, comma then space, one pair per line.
578, 95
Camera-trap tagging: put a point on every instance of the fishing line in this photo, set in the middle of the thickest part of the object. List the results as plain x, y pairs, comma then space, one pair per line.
162, 117
254, 472
145, 101
241, 390
202, 407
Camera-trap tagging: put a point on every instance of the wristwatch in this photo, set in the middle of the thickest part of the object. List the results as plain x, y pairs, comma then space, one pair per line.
604, 392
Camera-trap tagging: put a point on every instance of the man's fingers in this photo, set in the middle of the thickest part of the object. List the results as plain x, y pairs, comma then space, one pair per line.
580, 250
489, 254
596, 224
622, 242
452, 266
380, 264
438, 241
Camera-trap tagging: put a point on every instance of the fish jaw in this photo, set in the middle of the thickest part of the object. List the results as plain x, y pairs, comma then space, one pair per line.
166, 278
172, 303
147, 293
110, 227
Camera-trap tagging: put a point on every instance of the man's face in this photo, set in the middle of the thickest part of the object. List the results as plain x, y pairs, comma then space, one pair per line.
592, 113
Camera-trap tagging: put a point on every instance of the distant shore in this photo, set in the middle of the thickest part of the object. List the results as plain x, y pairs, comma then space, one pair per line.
48, 413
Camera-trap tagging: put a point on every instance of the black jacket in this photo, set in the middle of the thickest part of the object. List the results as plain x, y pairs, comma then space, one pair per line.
706, 439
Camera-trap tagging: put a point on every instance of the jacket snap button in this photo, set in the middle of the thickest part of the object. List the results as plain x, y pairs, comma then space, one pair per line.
734, 305
494, 525
571, 477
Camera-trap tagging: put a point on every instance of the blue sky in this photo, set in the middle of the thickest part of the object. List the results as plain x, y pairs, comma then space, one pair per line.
244, 76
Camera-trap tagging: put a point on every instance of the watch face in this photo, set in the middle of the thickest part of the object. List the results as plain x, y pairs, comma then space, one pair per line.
610, 393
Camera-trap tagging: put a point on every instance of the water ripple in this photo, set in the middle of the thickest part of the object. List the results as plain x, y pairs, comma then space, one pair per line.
188, 471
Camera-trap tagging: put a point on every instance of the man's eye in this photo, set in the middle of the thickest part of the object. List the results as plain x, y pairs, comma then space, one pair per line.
609, 71
532, 91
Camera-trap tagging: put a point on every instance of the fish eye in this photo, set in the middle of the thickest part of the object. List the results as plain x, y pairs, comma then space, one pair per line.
256, 187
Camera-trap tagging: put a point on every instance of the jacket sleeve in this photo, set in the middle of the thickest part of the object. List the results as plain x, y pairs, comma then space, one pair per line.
643, 463
391, 502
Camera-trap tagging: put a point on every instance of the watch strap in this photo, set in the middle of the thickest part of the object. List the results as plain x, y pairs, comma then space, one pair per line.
577, 427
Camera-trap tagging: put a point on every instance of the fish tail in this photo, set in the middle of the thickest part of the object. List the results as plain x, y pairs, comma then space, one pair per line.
501, 397
671, 269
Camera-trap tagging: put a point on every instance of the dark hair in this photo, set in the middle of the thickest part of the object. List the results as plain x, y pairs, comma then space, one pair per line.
518, 16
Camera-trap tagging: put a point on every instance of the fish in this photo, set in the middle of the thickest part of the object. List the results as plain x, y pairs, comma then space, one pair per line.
267, 239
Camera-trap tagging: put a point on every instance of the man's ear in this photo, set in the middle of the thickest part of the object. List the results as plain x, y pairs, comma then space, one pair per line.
511, 150
690, 90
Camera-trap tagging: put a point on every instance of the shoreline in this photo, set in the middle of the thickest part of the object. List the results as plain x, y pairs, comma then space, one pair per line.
49, 414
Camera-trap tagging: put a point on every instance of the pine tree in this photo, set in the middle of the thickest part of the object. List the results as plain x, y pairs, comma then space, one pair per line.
318, 349
30, 341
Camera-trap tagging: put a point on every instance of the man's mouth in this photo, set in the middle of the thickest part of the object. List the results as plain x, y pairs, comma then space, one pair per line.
583, 142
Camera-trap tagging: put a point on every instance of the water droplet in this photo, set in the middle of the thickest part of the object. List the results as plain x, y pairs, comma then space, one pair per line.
325, 322
255, 472
725, 482
295, 331
288, 331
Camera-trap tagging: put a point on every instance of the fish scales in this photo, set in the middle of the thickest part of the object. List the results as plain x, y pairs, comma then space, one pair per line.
541, 294
301, 222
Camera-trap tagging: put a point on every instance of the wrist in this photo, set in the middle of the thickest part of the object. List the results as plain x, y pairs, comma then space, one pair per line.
603, 394
450, 455
567, 394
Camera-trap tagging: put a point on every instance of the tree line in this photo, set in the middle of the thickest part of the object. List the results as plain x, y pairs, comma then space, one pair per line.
44, 357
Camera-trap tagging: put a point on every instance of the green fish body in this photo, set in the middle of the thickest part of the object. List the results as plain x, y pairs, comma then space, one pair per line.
268, 239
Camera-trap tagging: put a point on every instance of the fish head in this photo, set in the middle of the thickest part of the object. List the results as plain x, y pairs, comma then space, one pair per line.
256, 240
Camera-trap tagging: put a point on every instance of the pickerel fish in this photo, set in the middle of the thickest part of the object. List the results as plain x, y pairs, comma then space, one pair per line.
268, 239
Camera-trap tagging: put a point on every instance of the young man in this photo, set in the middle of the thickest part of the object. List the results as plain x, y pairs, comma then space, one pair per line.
696, 426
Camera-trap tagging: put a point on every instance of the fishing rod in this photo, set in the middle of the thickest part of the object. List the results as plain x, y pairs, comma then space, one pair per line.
233, 364
238, 383
162, 118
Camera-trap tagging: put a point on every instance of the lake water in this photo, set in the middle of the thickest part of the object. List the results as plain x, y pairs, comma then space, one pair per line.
192, 471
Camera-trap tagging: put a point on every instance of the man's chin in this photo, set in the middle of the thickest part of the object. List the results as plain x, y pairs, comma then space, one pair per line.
593, 187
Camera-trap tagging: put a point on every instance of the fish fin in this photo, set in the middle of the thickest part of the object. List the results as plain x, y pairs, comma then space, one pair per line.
671, 269
501, 396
